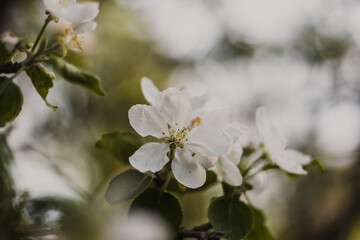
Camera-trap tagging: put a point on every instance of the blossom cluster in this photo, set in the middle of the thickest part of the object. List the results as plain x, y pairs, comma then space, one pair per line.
78, 16
192, 139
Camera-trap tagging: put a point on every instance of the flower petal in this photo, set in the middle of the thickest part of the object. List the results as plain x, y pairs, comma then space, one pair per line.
80, 12
235, 152
175, 106
208, 140
219, 118
229, 171
147, 120
186, 169
235, 130
206, 161
292, 161
197, 101
150, 157
84, 27
274, 141
149, 90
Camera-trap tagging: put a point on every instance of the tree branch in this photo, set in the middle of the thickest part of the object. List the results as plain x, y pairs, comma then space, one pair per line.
201, 232
10, 67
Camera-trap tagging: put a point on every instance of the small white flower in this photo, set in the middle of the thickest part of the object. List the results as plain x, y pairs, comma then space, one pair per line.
275, 145
80, 15
170, 120
10, 39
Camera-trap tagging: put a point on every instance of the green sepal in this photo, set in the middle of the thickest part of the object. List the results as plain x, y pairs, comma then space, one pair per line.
315, 163
126, 186
121, 144
161, 202
42, 81
176, 187
231, 216
11, 101
77, 76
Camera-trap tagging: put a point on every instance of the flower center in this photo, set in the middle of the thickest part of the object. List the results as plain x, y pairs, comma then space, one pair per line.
177, 134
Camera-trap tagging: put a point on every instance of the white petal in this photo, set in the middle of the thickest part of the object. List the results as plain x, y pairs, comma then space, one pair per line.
206, 161
150, 157
186, 169
235, 152
274, 141
235, 129
208, 140
149, 90
175, 105
84, 27
292, 161
229, 171
196, 101
219, 118
80, 13
298, 157
53, 6
147, 120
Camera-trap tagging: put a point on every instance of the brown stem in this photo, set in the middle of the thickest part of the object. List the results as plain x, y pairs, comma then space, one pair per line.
201, 232
10, 67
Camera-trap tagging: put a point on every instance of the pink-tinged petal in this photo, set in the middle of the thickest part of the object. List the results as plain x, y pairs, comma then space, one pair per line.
84, 27
175, 106
208, 140
150, 157
147, 120
274, 141
80, 13
186, 169
149, 90
229, 171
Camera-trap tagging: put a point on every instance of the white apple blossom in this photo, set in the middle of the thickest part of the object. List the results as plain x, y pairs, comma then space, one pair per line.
80, 15
169, 119
275, 145
226, 164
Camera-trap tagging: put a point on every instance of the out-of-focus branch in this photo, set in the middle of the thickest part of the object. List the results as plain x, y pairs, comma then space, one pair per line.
201, 232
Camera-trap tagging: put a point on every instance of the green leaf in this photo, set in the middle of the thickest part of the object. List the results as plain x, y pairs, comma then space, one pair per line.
176, 187
42, 81
161, 202
121, 144
77, 76
126, 186
11, 101
259, 230
315, 163
231, 216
